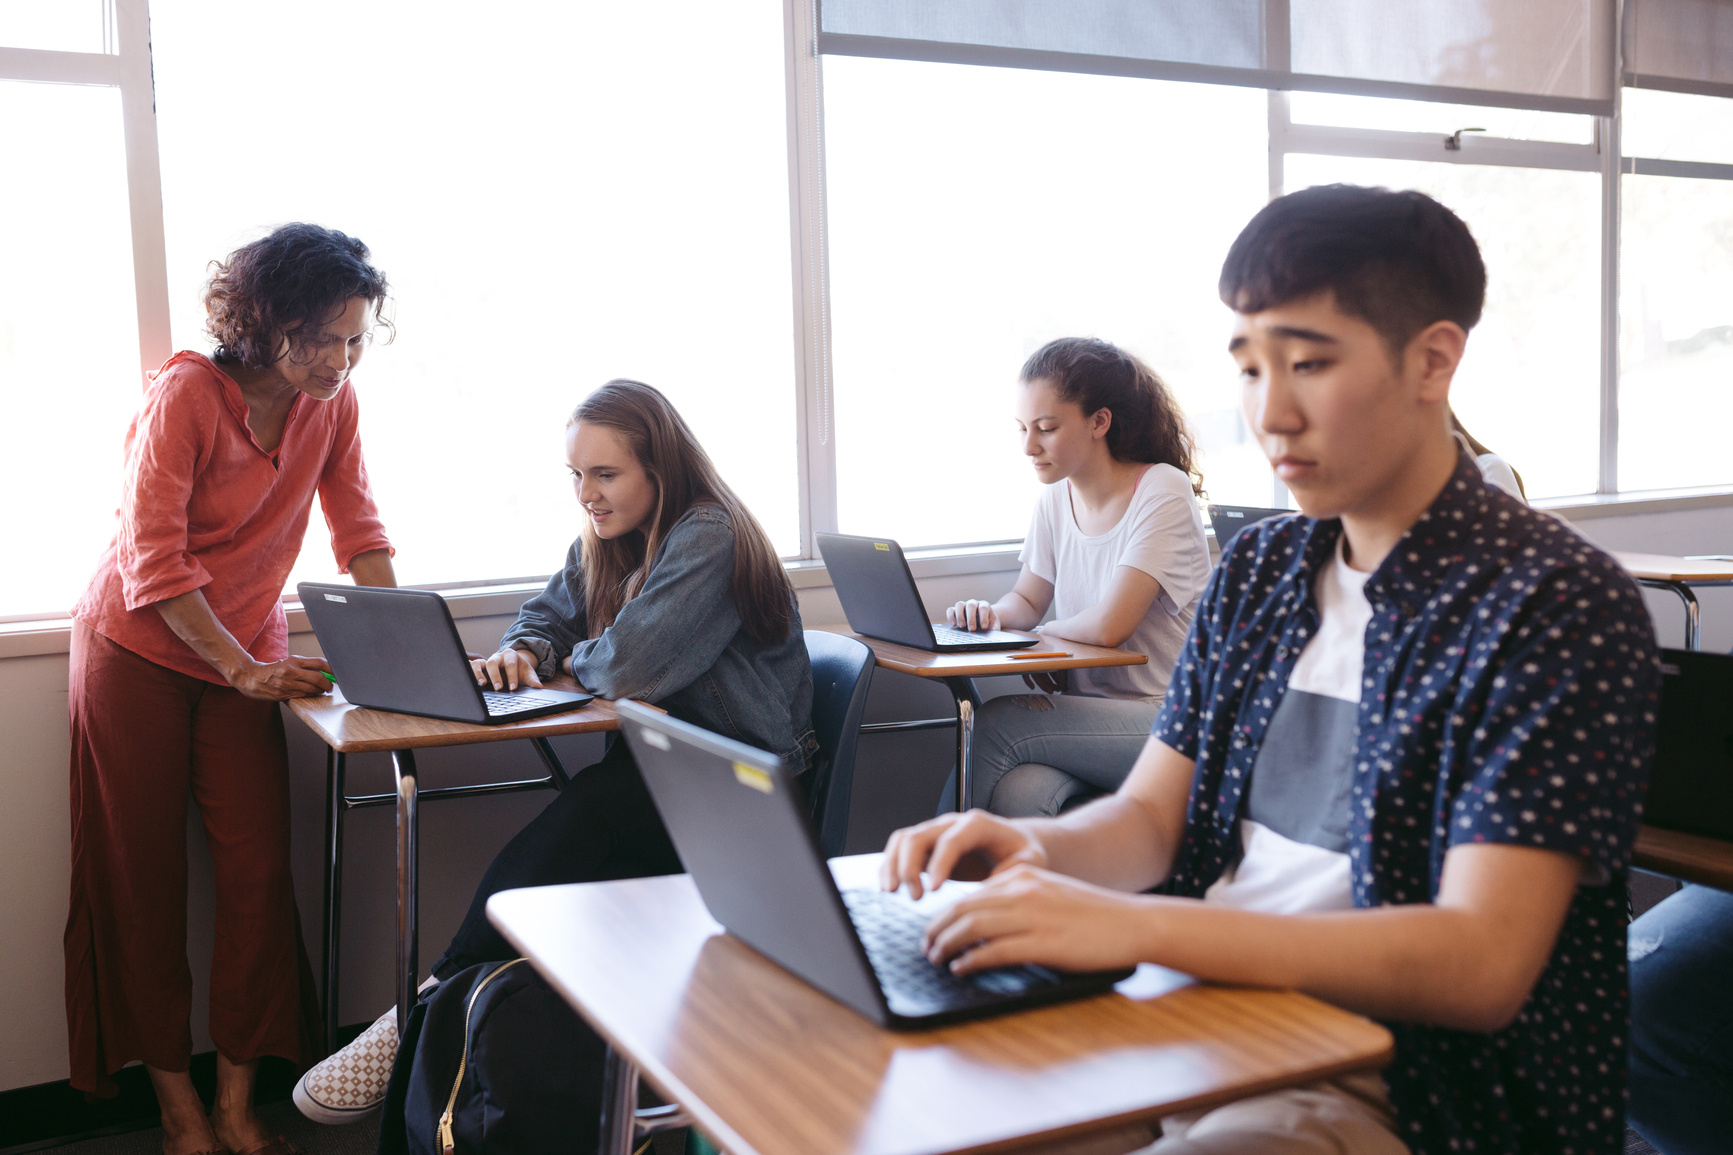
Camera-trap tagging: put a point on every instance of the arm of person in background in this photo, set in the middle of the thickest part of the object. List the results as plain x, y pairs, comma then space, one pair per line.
547, 626
1113, 619
190, 617
1021, 609
373, 568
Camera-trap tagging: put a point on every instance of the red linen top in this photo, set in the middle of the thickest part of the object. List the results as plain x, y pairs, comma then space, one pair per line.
205, 507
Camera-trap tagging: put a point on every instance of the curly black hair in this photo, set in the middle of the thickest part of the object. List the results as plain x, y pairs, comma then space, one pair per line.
300, 276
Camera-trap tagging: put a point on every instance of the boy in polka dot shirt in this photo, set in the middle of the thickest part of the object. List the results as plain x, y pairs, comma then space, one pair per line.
1402, 759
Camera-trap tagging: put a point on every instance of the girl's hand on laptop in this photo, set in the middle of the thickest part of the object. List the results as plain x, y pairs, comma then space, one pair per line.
961, 846
973, 614
1030, 915
507, 670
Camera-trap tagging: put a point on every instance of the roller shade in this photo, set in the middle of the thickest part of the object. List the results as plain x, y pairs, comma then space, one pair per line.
1553, 55
1680, 45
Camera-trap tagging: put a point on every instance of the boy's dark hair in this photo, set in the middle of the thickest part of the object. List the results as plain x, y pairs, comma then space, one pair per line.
1399, 261
296, 279
1094, 375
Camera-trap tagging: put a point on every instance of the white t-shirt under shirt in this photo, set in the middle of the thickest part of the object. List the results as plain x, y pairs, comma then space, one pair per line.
1294, 828
1160, 534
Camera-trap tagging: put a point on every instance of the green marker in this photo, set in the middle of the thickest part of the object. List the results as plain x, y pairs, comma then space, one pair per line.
328, 677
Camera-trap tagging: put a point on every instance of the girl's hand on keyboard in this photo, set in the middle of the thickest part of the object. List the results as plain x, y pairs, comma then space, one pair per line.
1030, 915
973, 614
507, 670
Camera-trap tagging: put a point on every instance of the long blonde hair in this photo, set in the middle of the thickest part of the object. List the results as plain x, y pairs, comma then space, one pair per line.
615, 569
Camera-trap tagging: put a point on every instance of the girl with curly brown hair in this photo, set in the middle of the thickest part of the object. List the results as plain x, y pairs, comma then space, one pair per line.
179, 657
1116, 550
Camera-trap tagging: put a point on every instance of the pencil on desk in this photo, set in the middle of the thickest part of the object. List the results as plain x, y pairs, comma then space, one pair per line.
1025, 657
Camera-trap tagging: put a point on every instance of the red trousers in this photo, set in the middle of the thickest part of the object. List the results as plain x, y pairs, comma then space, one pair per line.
142, 735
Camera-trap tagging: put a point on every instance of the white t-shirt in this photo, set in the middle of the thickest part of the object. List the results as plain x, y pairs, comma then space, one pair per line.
1294, 828
1495, 469
1160, 534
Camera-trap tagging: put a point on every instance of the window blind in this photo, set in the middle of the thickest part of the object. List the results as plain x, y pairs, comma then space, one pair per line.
1680, 45
1553, 55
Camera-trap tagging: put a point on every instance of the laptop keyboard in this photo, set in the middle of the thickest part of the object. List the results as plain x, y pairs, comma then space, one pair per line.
890, 930
499, 702
952, 636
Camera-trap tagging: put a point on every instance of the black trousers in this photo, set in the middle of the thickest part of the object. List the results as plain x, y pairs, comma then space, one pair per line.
603, 825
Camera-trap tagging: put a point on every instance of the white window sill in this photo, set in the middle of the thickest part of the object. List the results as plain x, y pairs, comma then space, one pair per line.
52, 635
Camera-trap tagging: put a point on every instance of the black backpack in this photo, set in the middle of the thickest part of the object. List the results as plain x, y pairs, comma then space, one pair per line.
493, 1060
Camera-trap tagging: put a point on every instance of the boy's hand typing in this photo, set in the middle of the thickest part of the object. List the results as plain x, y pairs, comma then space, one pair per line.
961, 846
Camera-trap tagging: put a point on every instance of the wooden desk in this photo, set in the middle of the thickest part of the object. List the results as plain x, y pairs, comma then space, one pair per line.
1678, 574
349, 729
767, 1065
1688, 856
958, 672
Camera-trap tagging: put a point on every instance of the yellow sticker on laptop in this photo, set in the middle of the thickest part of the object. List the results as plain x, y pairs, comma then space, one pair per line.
754, 777
884, 545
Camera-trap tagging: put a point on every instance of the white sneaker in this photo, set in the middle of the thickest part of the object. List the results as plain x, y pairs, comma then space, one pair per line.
350, 1085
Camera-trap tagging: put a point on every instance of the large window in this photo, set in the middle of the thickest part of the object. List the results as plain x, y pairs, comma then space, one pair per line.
976, 214
831, 231
560, 194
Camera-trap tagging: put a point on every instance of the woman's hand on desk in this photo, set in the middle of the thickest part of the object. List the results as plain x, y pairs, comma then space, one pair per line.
973, 614
961, 846
1030, 915
507, 670
293, 677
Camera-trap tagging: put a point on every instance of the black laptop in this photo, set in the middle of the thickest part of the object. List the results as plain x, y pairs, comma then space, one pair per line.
399, 650
1229, 520
741, 829
878, 595
1691, 782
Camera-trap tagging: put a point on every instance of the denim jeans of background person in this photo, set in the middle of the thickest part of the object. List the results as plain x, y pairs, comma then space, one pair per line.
1681, 954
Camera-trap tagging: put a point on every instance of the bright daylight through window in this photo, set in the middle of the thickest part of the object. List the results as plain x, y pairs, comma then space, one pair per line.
859, 251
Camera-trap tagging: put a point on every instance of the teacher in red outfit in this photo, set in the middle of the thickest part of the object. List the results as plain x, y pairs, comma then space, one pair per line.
179, 656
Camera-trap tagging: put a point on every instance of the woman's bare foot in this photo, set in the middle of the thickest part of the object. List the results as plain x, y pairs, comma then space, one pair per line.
232, 1116
185, 1129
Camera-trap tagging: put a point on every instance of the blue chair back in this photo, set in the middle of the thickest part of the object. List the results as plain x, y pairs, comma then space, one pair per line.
842, 670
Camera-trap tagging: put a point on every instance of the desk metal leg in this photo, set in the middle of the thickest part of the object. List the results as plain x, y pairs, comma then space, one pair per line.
968, 701
556, 769
403, 764
336, 809
619, 1105
1693, 639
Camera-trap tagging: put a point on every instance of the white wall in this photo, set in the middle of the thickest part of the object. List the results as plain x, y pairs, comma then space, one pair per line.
897, 781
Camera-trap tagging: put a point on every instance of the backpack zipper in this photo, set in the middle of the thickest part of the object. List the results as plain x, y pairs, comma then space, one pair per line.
446, 1139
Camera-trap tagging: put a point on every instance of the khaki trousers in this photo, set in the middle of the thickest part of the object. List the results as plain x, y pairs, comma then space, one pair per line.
1346, 1116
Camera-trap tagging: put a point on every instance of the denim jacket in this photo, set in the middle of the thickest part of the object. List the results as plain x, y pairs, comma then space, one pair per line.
679, 643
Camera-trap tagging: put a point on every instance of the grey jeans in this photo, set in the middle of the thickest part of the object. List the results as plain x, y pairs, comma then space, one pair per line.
1092, 739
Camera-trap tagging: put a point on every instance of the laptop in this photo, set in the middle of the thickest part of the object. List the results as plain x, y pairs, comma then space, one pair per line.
740, 825
878, 594
1229, 520
399, 650
1691, 782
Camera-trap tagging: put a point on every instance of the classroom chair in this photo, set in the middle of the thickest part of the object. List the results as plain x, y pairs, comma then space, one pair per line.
842, 669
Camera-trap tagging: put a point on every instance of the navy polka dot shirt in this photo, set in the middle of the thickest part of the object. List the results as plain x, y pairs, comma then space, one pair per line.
1509, 696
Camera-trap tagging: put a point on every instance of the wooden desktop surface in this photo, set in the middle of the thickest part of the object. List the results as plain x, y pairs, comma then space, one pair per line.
1666, 568
1688, 856
926, 664
770, 1066
351, 729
